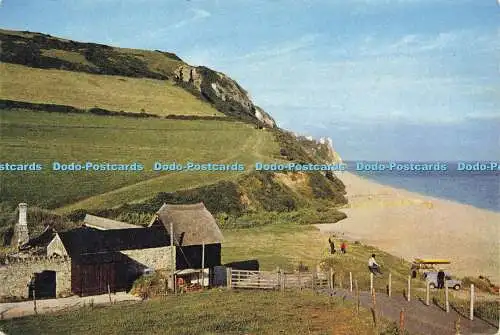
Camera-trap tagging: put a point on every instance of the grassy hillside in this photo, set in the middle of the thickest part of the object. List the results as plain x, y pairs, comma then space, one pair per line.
46, 137
65, 101
248, 200
49, 52
43, 51
83, 90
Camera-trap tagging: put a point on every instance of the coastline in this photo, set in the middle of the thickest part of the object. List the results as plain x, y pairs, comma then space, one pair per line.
411, 225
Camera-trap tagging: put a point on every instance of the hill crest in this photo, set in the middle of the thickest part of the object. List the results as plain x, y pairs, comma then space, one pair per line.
45, 51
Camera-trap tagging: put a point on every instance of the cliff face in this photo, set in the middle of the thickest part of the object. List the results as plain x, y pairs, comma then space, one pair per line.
325, 144
321, 150
222, 91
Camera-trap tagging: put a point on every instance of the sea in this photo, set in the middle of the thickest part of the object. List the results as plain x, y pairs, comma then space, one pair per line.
472, 183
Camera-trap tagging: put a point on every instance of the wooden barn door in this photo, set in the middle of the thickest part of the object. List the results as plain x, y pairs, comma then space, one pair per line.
93, 279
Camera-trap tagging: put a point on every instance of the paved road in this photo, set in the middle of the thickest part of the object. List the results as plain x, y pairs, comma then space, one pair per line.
24, 308
419, 318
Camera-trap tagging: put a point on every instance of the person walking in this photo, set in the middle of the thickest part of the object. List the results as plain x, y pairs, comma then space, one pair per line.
343, 247
373, 266
440, 278
332, 245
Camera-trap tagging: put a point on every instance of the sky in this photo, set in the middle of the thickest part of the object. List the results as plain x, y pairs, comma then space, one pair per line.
385, 79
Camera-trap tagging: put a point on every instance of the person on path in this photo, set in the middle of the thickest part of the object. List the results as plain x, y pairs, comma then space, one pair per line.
332, 245
440, 278
343, 247
373, 266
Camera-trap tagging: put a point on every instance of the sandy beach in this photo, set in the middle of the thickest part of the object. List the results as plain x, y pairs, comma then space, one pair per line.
411, 225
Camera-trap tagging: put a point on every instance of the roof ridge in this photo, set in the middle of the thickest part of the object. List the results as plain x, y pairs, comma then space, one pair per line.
104, 218
198, 205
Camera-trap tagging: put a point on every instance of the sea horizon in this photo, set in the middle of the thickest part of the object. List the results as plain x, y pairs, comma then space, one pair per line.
478, 188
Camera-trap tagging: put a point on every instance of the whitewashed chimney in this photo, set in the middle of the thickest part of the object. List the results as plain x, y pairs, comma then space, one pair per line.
22, 225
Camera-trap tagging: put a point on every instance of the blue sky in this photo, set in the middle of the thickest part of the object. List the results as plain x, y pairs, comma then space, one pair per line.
385, 79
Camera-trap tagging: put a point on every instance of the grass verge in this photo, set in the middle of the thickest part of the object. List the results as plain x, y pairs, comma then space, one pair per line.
210, 312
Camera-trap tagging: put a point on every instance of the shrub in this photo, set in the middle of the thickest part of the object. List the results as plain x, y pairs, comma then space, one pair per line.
150, 285
291, 148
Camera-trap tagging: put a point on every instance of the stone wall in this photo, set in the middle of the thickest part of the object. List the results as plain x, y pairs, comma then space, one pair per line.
15, 276
155, 258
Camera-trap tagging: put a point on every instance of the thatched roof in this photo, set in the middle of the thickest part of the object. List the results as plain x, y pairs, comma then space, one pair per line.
100, 223
194, 223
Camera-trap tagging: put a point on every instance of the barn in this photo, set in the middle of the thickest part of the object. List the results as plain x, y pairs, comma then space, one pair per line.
107, 253
102, 259
197, 236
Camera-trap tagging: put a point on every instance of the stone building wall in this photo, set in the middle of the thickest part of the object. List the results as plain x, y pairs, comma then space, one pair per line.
155, 258
15, 276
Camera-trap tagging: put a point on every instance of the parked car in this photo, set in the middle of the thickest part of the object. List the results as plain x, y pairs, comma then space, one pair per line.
148, 271
431, 277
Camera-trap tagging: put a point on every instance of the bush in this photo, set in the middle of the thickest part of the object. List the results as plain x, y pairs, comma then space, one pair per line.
325, 188
291, 148
150, 285
268, 194
482, 283
393, 329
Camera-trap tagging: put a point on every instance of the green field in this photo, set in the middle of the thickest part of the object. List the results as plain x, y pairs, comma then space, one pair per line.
286, 245
84, 90
212, 312
46, 137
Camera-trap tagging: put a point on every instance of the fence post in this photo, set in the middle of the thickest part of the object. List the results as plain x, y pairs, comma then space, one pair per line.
313, 287
374, 303
203, 265
300, 281
350, 281
402, 321
175, 284
109, 294
457, 326
427, 294
408, 291
371, 281
278, 279
228, 278
498, 317
34, 300
330, 279
389, 286
471, 312
357, 296
446, 298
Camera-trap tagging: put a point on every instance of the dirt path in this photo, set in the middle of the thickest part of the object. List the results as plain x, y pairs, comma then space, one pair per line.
419, 318
25, 308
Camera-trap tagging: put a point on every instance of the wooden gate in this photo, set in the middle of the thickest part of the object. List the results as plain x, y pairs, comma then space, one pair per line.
253, 279
276, 280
